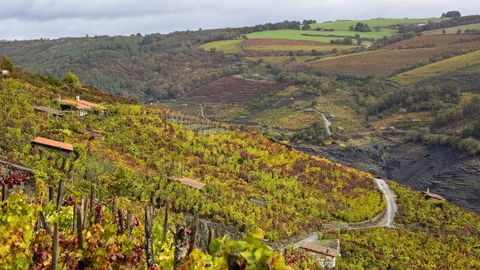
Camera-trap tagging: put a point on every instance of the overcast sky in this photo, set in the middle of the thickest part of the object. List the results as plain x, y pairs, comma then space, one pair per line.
29, 19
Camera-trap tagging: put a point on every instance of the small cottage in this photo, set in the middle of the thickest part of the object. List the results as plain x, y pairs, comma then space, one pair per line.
324, 256
188, 182
5, 73
81, 106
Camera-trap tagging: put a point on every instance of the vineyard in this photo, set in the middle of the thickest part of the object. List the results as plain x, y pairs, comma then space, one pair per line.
253, 46
234, 90
399, 55
121, 177
438, 68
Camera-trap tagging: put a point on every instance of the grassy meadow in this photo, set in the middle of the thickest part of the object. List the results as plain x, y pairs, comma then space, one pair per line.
454, 30
225, 46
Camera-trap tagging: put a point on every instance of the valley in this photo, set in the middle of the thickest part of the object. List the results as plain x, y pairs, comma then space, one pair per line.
347, 144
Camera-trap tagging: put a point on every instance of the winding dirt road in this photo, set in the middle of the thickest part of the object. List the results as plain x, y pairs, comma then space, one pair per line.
385, 221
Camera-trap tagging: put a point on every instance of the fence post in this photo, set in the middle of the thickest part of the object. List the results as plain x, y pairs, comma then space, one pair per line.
120, 221
55, 228
165, 224
149, 212
92, 203
4, 192
194, 231
80, 223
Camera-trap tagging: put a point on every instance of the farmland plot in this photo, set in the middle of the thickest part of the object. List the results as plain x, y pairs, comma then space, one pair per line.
234, 90
396, 56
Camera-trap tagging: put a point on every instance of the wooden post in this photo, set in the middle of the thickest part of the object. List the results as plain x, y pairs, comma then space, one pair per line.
114, 206
4, 192
130, 221
194, 231
165, 224
120, 221
55, 247
50, 193
84, 212
149, 212
80, 223
60, 195
92, 203
211, 235
55, 228
75, 206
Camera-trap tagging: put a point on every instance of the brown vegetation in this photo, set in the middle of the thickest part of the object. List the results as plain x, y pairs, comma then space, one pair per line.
398, 55
234, 90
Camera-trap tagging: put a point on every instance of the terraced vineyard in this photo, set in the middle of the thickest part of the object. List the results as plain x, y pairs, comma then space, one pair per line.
234, 90
396, 56
438, 68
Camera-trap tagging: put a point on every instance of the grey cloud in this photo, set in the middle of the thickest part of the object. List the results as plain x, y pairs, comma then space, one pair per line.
28, 19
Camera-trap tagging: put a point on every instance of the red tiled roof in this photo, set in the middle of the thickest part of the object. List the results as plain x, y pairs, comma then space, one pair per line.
53, 144
74, 103
90, 104
189, 182
319, 249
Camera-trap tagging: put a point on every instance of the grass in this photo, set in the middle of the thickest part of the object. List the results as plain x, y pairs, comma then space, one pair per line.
287, 118
225, 46
313, 35
345, 24
293, 48
438, 68
453, 30
282, 59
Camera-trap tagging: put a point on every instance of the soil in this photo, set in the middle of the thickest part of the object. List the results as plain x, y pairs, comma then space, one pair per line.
450, 173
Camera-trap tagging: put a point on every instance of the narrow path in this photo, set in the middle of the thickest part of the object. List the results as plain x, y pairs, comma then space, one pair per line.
202, 113
327, 125
385, 221
391, 204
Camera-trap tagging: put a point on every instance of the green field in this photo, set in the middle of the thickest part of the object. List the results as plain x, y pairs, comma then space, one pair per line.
438, 68
225, 46
320, 36
345, 24
453, 30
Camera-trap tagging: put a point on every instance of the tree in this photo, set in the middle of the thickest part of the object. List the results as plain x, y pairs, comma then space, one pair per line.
362, 27
71, 79
452, 14
306, 27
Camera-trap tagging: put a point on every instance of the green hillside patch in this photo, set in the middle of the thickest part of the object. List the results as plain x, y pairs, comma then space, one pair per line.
453, 30
438, 68
225, 46
344, 25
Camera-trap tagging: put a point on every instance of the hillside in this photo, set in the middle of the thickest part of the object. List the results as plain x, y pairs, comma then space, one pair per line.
140, 147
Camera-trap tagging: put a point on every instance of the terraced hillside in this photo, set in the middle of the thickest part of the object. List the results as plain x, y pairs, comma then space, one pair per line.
397, 56
234, 90
123, 155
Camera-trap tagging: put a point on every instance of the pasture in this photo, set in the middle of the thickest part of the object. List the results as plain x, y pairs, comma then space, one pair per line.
287, 45
319, 36
343, 25
453, 30
225, 46
438, 68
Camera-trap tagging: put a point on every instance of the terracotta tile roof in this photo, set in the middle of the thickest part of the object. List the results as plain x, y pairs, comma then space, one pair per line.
319, 249
74, 103
189, 182
54, 144
90, 104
